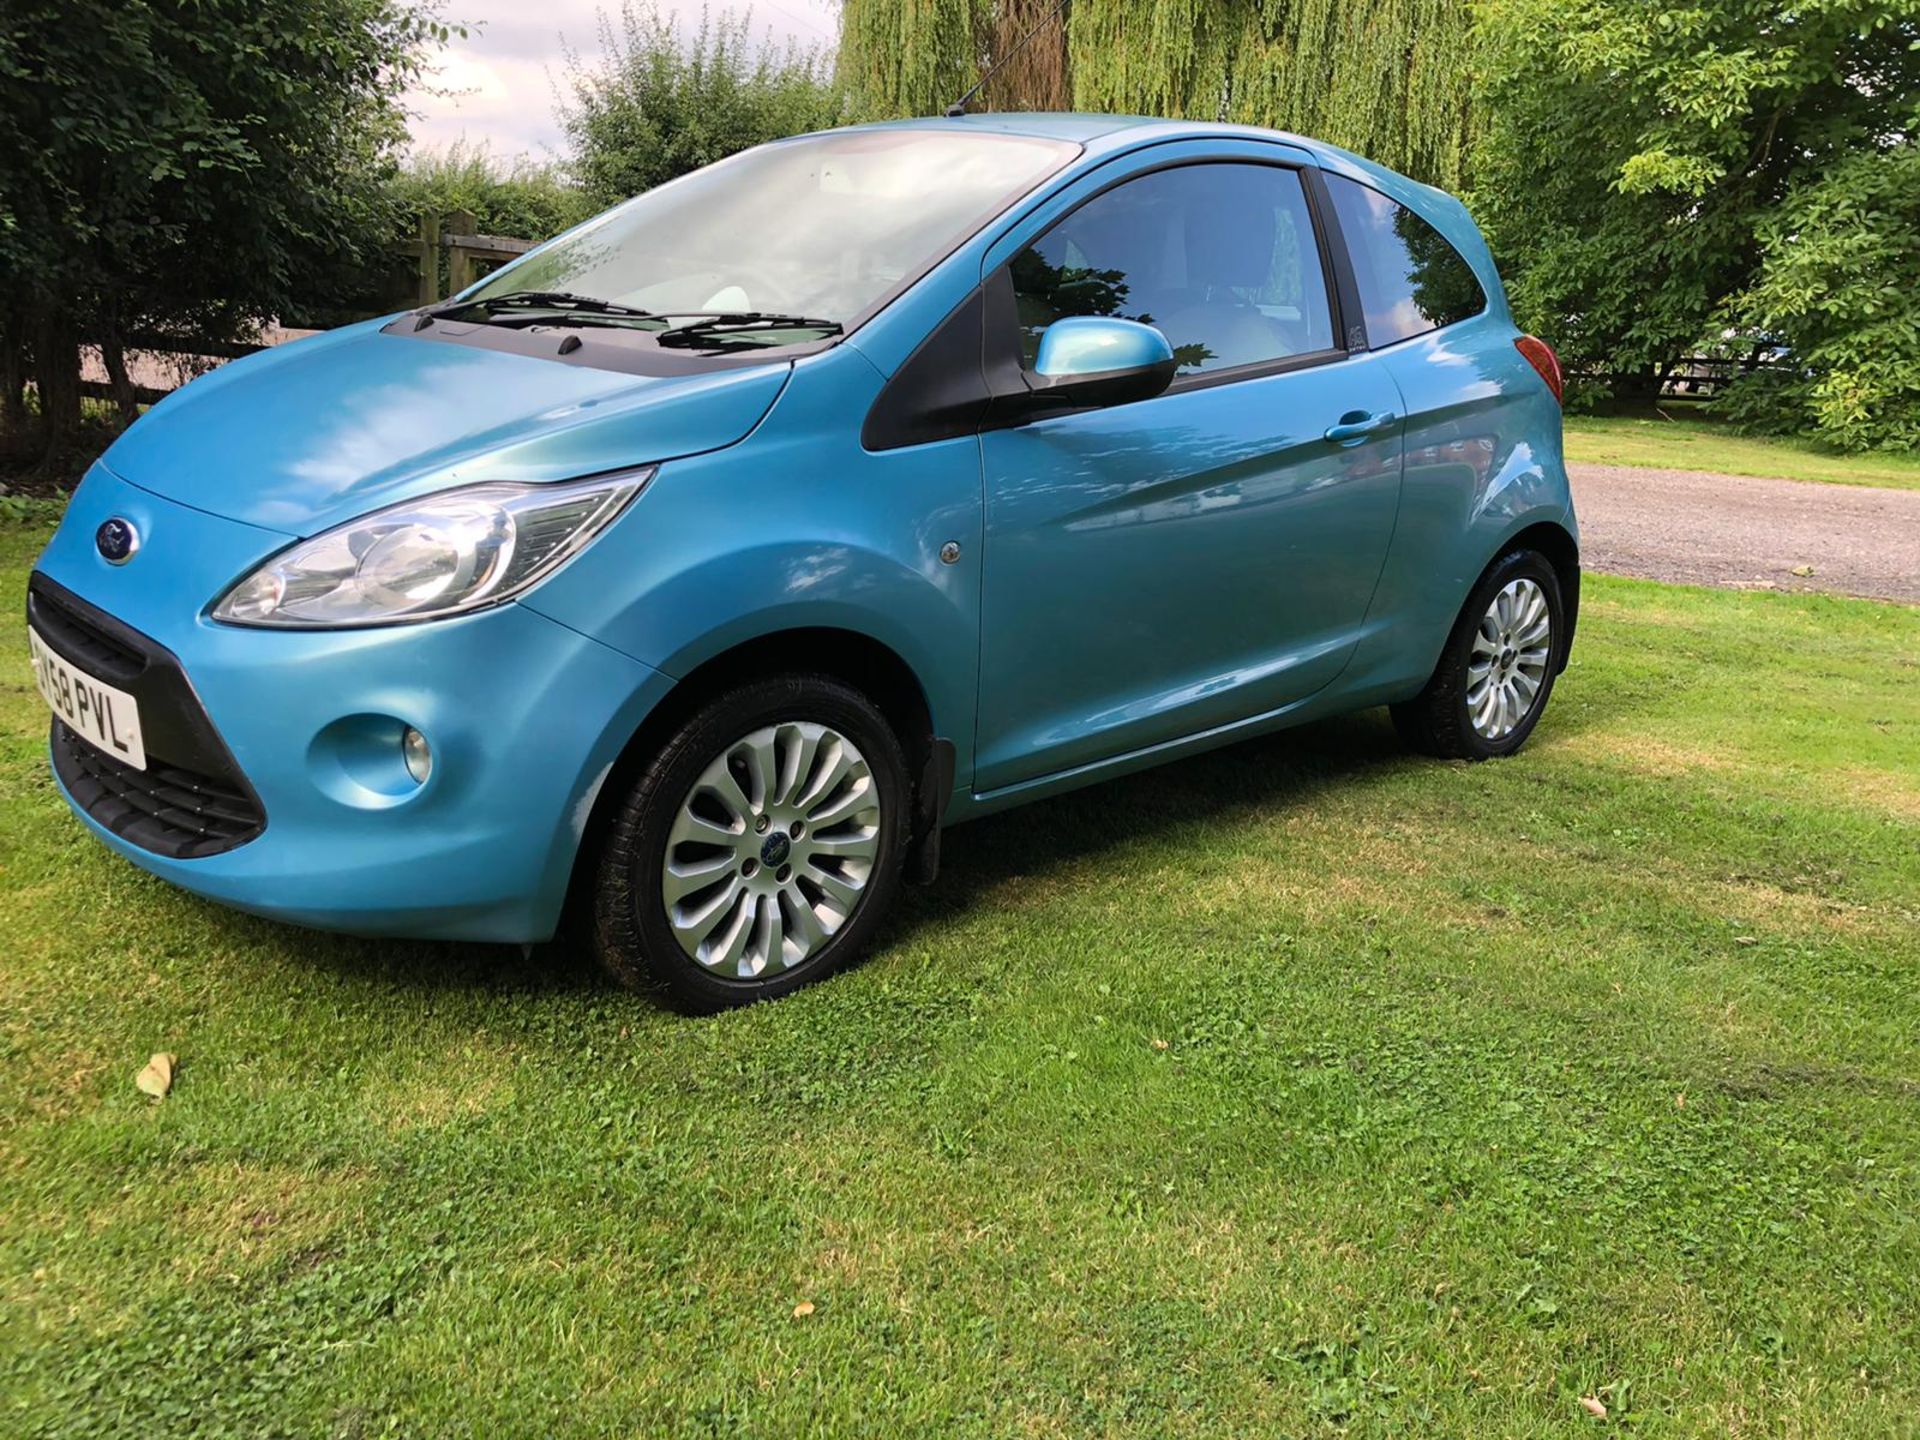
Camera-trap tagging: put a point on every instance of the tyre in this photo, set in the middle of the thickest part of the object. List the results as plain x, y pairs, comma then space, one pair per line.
759, 850
1498, 668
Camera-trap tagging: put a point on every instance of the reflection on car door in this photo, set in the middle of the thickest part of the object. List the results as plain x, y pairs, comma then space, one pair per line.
1160, 569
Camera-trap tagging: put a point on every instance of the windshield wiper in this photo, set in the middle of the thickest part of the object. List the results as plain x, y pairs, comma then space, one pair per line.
564, 301
700, 323
687, 330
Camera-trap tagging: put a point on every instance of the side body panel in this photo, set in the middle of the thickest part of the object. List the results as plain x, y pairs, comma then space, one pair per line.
852, 537
1161, 568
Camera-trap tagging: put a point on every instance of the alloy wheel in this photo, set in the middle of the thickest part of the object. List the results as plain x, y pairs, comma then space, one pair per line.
771, 851
1508, 667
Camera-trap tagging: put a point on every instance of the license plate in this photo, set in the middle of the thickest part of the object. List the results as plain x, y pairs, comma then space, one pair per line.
106, 718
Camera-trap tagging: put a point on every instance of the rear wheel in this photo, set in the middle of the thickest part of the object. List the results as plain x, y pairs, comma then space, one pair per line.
759, 850
1498, 668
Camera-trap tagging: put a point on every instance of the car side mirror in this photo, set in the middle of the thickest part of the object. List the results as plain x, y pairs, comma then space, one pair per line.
1098, 360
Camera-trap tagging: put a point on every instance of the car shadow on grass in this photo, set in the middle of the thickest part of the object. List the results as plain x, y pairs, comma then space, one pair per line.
1274, 773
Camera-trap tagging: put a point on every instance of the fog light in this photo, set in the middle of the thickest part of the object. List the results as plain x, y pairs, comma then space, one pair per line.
418, 755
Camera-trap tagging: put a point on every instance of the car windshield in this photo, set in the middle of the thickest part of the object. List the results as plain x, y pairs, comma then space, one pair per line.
826, 227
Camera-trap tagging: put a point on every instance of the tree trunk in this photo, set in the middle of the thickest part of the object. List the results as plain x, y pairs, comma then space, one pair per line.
56, 374
1036, 76
125, 398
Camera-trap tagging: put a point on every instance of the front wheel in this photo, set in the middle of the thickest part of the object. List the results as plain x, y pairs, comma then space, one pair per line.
759, 850
1498, 668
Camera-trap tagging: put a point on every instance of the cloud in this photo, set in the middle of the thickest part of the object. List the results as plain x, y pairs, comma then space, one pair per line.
497, 85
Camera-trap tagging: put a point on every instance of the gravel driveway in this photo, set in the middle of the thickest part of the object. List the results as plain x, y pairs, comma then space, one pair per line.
1700, 529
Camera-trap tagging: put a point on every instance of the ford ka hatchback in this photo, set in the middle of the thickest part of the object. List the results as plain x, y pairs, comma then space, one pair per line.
690, 573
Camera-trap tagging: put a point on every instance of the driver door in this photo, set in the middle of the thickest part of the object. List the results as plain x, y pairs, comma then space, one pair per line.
1169, 567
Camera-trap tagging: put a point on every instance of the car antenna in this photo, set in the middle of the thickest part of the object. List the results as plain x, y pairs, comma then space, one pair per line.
959, 107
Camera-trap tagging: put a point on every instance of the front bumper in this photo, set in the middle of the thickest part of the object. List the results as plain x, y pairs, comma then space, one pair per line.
525, 717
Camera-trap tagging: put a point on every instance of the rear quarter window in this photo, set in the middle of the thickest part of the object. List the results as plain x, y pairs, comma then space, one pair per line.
1411, 280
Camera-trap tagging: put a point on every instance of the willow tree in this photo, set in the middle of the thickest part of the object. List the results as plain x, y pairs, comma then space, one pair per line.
1388, 78
909, 57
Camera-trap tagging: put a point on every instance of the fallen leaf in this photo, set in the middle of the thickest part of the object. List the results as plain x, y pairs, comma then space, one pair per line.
1591, 1404
1159, 1044
803, 1309
1680, 1100
1803, 571
157, 1079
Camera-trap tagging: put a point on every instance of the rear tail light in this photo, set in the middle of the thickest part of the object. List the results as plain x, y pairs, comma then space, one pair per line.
1540, 355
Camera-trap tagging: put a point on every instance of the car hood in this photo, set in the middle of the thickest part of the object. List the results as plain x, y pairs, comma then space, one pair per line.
303, 436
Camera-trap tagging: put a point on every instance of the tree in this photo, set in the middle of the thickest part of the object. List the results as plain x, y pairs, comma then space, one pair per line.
186, 163
1389, 78
912, 57
1653, 177
660, 103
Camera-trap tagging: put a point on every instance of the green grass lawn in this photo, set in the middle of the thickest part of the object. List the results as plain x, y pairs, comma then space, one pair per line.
1300, 1089
1690, 443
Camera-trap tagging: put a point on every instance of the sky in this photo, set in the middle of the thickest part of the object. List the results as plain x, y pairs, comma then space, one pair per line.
496, 86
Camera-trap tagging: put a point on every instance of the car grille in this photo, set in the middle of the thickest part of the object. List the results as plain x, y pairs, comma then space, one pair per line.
170, 811
192, 800
60, 621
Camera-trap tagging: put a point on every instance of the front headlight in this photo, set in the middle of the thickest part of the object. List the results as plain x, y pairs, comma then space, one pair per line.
448, 553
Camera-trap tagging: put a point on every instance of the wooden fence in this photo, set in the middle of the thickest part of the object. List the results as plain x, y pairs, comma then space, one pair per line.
469, 255
1699, 377
160, 364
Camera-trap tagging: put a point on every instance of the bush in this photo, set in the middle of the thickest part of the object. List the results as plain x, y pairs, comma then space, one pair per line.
520, 197
660, 103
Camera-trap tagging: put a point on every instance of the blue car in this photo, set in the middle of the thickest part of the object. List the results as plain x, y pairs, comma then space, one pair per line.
687, 576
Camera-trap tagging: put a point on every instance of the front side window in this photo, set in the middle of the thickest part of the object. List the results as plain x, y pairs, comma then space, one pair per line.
1411, 280
1221, 258
827, 226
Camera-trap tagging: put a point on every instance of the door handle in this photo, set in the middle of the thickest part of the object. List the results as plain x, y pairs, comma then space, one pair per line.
1357, 425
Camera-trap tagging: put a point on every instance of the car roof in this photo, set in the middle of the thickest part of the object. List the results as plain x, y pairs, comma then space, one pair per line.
1081, 127
1049, 125
1104, 134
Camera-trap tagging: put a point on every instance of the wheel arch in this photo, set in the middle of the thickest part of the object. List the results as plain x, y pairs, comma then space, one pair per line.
1554, 541
869, 665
